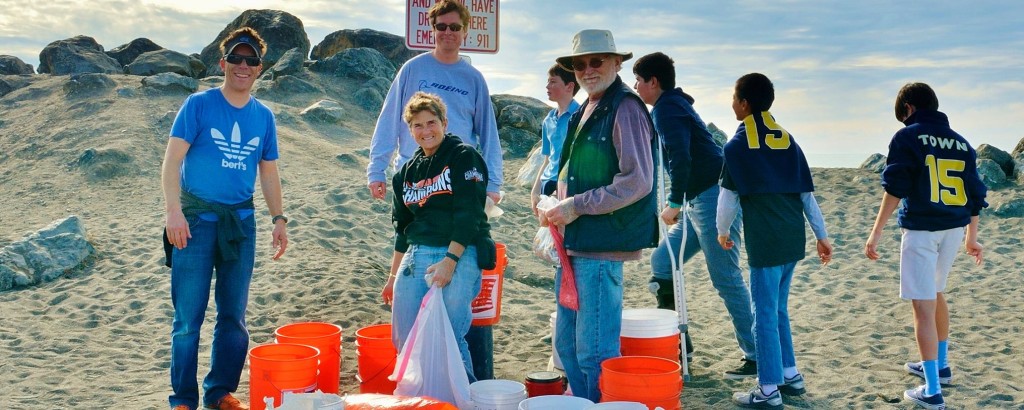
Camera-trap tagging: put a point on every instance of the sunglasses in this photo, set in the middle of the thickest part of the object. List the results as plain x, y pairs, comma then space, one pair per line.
251, 61
595, 63
455, 27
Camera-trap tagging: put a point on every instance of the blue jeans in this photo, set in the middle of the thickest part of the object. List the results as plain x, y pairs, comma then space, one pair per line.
410, 287
723, 265
770, 290
589, 336
191, 278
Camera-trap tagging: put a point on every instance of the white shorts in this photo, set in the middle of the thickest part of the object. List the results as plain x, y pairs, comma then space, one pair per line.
925, 261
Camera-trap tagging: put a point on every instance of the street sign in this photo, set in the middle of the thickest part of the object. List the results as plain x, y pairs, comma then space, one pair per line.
483, 26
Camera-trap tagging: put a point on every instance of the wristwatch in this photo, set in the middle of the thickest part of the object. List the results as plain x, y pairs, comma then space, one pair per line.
279, 217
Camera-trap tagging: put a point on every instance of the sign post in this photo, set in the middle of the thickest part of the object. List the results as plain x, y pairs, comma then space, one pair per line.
483, 26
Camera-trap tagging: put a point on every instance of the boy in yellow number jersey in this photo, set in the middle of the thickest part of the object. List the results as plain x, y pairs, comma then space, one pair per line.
932, 172
766, 175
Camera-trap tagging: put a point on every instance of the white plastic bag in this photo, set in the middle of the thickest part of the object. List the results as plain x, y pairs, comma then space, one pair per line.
543, 242
430, 363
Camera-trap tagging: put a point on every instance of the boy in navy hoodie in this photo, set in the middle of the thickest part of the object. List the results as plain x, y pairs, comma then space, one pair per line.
931, 174
766, 175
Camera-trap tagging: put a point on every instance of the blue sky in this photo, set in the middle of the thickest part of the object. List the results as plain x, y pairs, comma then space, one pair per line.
837, 65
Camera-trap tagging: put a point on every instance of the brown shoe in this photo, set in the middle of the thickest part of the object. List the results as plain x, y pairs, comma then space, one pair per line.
228, 402
182, 407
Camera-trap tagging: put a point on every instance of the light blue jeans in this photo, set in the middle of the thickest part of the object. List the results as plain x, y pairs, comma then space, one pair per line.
589, 336
191, 275
770, 290
723, 265
410, 287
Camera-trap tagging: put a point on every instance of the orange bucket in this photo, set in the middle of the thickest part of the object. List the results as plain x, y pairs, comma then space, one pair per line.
666, 347
376, 358
653, 381
324, 336
487, 304
278, 368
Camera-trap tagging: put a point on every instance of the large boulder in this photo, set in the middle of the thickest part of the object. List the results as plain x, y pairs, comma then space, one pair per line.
76, 55
717, 134
1008, 208
280, 30
1001, 157
170, 83
88, 84
290, 63
1018, 168
990, 172
517, 142
126, 53
1019, 148
166, 61
324, 111
358, 63
391, 46
11, 65
874, 163
45, 255
536, 107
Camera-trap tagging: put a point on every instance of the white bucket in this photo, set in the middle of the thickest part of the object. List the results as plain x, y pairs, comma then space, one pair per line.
308, 401
556, 361
555, 403
649, 323
618, 405
497, 394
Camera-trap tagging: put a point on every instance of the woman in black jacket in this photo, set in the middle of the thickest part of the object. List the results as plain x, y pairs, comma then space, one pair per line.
439, 216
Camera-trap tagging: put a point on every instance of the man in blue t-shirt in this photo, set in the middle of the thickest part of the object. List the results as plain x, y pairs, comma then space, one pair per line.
221, 140
561, 88
932, 171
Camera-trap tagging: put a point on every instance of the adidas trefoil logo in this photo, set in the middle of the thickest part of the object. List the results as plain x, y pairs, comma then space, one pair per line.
233, 150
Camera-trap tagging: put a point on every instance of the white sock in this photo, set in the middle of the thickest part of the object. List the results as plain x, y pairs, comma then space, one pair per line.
789, 372
769, 389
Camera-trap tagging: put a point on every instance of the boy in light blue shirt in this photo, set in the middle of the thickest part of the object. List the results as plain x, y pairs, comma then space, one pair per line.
561, 88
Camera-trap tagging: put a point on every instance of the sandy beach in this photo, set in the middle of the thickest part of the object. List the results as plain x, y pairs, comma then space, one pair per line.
99, 337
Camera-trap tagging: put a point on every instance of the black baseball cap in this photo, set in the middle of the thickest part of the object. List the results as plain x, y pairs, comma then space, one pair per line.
243, 39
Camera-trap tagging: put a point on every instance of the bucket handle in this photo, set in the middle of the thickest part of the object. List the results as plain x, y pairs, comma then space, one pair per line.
307, 389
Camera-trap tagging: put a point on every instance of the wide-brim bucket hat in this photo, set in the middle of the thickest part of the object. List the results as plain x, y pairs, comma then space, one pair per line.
591, 41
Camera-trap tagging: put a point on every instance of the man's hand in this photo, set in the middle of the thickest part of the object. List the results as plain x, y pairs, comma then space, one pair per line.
670, 215
279, 239
378, 190
563, 214
178, 232
441, 273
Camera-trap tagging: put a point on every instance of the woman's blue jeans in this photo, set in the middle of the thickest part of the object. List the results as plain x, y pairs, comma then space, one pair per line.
191, 277
589, 336
410, 287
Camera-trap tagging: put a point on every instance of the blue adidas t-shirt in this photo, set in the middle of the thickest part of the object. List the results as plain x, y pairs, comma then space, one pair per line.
226, 146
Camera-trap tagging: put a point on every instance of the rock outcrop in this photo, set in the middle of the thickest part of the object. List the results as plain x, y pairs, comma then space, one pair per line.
45, 255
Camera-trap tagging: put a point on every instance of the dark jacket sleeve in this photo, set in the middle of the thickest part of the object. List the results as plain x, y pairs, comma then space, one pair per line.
976, 189
469, 194
674, 125
401, 217
900, 168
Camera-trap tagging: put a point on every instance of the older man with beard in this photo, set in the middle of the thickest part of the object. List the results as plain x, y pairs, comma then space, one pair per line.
607, 210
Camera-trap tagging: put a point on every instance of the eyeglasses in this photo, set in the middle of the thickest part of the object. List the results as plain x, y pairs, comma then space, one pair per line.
595, 63
251, 61
454, 27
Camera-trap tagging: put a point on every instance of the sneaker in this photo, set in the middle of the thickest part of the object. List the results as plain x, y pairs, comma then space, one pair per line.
917, 396
917, 369
747, 369
756, 399
228, 402
794, 386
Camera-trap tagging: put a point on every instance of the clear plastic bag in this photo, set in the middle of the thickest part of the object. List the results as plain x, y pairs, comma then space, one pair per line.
430, 363
543, 243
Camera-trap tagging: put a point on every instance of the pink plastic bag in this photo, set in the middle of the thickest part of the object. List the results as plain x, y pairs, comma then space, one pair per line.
430, 363
567, 295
